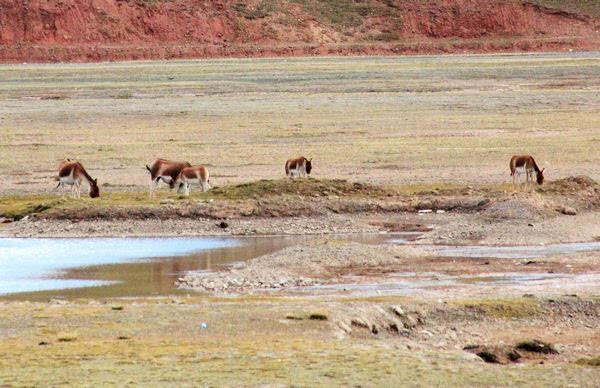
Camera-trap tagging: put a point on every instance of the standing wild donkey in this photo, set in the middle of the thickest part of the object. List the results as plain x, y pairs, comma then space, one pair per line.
525, 164
165, 170
298, 167
195, 174
71, 172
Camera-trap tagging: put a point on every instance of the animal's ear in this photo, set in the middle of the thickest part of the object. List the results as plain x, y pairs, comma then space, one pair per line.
310, 160
96, 181
543, 169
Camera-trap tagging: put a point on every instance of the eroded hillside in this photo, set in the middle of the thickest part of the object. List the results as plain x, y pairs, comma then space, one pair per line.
94, 30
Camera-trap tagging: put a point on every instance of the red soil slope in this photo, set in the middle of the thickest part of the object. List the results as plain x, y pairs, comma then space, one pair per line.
95, 30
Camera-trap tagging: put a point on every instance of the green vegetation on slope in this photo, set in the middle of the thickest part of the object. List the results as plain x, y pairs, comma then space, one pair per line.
579, 7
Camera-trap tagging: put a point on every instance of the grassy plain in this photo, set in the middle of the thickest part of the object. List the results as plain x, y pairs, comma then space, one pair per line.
248, 342
386, 120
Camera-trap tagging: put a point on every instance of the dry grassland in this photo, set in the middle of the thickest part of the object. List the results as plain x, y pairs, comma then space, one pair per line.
385, 120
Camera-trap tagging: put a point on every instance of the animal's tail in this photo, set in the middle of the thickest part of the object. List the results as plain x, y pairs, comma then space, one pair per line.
148, 168
287, 168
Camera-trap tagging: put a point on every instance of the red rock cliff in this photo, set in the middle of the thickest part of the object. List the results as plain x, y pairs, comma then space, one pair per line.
87, 30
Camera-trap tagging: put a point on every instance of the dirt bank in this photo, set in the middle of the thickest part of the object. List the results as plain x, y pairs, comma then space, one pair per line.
99, 30
564, 210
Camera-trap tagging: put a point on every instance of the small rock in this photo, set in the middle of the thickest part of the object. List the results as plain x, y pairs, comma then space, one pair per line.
569, 211
423, 211
223, 225
398, 311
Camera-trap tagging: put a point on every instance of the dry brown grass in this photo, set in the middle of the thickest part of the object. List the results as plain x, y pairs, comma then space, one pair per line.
398, 121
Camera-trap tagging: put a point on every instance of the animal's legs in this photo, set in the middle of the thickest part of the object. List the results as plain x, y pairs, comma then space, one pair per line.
153, 187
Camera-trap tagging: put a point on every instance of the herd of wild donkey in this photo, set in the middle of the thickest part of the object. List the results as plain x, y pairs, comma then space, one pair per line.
182, 174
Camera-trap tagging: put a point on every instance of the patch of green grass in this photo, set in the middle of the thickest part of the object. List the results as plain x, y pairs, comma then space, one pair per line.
318, 317
315, 316
579, 7
346, 13
17, 207
593, 361
262, 9
502, 308
125, 95
304, 187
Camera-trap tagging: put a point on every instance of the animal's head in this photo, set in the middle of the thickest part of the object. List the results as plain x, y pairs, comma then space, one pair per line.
308, 166
94, 189
540, 176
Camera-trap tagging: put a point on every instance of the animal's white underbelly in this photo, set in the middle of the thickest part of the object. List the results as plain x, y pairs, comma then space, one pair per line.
67, 180
520, 170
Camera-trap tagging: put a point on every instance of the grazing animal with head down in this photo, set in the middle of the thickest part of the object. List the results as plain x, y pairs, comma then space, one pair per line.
520, 164
194, 174
298, 167
165, 170
71, 172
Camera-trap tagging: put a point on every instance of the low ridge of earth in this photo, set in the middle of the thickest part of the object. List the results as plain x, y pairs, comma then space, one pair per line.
491, 214
100, 30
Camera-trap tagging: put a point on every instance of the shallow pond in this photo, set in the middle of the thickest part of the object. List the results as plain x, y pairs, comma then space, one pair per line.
40, 269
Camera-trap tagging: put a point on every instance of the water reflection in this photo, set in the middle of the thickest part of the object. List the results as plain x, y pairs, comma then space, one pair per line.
60, 268
38, 264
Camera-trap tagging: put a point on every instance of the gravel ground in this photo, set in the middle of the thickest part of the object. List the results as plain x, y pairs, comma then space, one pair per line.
316, 263
329, 224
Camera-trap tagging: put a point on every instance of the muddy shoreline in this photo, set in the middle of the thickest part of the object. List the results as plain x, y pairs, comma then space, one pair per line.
564, 210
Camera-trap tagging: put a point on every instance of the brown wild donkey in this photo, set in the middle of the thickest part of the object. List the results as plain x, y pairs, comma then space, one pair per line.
71, 172
299, 166
165, 170
194, 174
520, 164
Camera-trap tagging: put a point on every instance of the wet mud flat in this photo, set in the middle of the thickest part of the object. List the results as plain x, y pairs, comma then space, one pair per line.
334, 267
